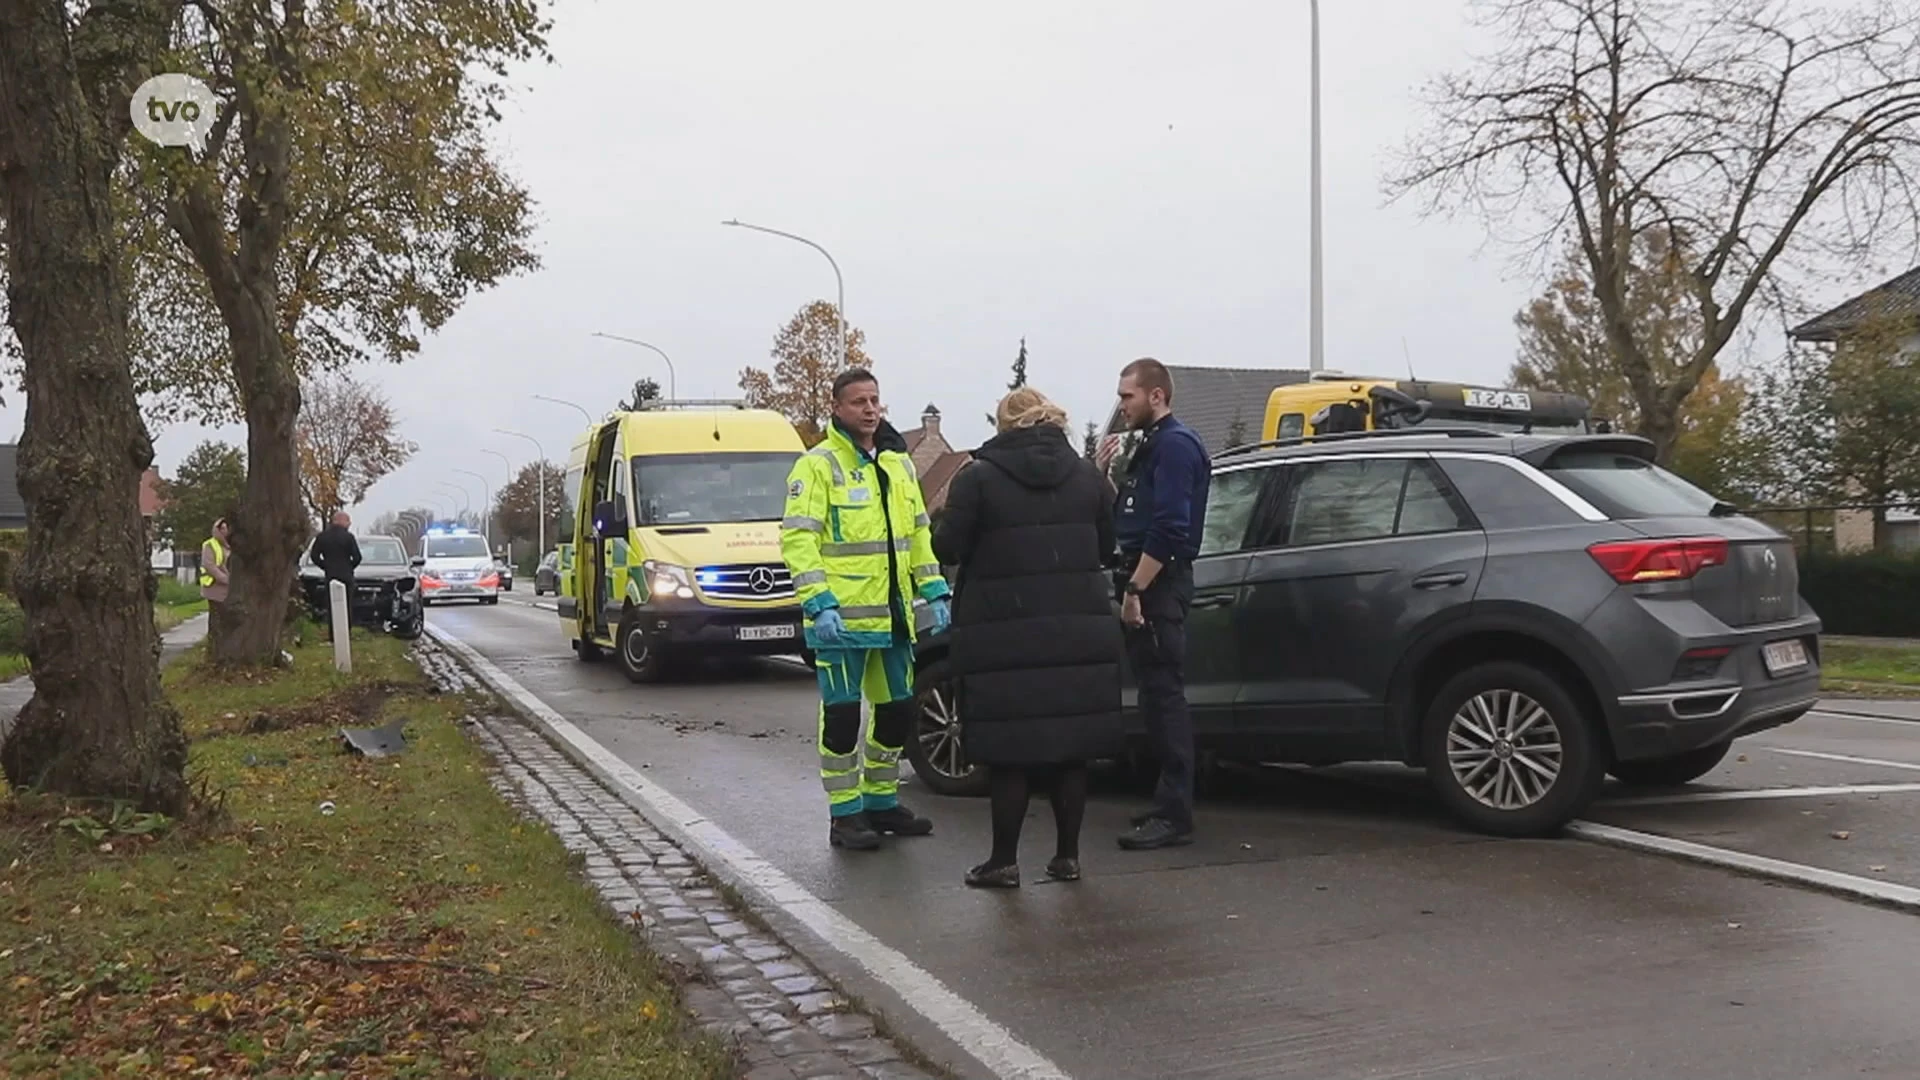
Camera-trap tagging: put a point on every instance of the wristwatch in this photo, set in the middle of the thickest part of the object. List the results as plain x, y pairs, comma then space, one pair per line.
1134, 589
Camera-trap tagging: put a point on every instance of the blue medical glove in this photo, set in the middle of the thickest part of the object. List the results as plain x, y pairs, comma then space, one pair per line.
942, 614
828, 626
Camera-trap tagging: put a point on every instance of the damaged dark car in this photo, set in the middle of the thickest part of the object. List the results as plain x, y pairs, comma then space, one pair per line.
386, 589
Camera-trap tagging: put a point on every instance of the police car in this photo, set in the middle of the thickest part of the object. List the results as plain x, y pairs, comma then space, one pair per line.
459, 566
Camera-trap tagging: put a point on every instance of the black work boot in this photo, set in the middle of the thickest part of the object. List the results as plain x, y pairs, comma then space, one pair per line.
851, 831
1155, 833
897, 820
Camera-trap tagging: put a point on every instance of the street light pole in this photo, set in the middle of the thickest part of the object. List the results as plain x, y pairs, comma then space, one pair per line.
466, 500
1316, 351
540, 473
569, 404
840, 302
672, 394
486, 528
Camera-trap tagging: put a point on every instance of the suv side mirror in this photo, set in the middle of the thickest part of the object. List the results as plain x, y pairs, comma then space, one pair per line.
417, 561
608, 521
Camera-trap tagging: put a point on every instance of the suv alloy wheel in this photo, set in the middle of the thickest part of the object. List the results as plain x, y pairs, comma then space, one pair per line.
1510, 751
937, 751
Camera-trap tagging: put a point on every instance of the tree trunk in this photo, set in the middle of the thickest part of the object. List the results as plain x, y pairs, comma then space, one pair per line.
97, 724
271, 522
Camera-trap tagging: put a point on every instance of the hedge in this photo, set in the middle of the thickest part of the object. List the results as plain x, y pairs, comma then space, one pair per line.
1877, 594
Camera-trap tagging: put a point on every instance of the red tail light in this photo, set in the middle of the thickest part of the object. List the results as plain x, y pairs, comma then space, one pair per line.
1633, 561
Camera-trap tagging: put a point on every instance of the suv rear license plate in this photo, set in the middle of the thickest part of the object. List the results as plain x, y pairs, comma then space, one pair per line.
773, 633
1784, 656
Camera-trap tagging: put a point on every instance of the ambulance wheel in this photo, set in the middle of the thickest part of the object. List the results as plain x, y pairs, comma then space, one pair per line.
641, 659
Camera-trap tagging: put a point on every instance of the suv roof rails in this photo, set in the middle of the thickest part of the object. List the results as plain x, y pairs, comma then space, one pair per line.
1349, 436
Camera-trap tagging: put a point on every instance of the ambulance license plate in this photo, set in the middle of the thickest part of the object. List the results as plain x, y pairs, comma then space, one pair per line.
765, 633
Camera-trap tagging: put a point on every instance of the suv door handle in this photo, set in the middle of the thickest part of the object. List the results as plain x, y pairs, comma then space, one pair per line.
1217, 600
1440, 581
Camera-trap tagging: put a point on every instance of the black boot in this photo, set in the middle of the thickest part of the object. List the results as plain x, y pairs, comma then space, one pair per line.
851, 831
897, 820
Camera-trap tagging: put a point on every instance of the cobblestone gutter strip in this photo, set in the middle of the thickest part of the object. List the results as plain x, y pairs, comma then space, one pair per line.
785, 1021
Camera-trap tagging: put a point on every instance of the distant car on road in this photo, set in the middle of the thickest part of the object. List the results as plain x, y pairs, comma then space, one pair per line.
459, 566
1519, 615
386, 588
546, 576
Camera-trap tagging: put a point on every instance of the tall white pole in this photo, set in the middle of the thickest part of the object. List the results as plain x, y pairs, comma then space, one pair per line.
1316, 356
540, 473
486, 515
840, 284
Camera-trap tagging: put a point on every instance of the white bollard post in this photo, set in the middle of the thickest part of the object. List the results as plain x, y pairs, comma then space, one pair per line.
337, 611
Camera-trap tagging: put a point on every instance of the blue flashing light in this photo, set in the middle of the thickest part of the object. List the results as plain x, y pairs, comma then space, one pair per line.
707, 577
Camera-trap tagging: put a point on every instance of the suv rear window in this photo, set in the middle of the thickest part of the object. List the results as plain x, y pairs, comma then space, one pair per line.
1624, 486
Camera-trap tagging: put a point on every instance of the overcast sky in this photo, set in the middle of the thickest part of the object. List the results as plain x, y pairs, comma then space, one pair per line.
1107, 180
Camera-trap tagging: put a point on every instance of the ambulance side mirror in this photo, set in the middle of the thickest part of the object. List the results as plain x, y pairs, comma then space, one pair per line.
608, 521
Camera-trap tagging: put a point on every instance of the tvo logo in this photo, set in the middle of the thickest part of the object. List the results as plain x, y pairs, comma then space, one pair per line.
175, 110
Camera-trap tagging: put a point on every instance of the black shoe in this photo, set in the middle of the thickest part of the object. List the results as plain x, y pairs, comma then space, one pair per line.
1156, 833
853, 833
985, 876
1064, 869
897, 820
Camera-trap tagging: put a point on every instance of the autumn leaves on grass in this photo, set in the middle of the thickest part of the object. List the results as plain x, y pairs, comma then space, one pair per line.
419, 929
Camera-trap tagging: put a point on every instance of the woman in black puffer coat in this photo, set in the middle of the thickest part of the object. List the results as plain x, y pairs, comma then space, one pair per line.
1036, 644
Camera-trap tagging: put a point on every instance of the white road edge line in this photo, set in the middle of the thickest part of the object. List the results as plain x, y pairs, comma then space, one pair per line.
993, 1045
1758, 793
1848, 758
1825, 714
1880, 892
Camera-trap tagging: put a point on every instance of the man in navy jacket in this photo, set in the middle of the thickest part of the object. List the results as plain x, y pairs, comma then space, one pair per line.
1157, 516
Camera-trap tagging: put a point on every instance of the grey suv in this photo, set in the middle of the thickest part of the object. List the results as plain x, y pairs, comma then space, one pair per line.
1520, 615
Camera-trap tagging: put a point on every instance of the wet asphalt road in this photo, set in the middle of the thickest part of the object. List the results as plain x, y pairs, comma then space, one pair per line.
1333, 924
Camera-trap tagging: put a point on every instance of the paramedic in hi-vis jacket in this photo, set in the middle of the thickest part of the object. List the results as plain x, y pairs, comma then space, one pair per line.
856, 538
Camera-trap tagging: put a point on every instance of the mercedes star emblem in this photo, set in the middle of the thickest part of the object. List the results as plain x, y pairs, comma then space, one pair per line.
760, 579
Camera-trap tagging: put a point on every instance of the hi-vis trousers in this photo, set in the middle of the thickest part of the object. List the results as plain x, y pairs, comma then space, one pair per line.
867, 776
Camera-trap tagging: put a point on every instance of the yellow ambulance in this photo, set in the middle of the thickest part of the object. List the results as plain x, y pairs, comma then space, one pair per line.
675, 545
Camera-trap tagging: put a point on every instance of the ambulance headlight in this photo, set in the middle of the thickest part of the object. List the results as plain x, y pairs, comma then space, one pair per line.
666, 579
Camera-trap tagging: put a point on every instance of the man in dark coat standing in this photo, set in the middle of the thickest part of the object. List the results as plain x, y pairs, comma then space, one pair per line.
1035, 644
337, 553
1161, 506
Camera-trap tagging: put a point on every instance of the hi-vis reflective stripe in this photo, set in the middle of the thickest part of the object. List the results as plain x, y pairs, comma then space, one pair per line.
921, 520
837, 762
840, 782
880, 755
809, 577
930, 570
882, 773
799, 521
839, 478
866, 611
866, 547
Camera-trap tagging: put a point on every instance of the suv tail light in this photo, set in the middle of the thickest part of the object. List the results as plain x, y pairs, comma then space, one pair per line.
1633, 561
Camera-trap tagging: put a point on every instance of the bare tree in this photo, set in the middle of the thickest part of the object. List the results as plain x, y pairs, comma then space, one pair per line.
1763, 136
348, 438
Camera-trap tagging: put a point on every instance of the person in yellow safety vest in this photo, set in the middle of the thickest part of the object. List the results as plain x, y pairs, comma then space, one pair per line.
857, 541
213, 564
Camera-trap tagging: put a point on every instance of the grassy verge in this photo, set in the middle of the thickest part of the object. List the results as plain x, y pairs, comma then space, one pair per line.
339, 917
1863, 666
174, 604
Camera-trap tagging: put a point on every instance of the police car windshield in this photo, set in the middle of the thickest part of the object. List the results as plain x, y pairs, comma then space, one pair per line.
710, 489
457, 547
381, 551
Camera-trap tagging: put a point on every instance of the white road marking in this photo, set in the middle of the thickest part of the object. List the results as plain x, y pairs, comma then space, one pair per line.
1825, 714
1879, 892
1848, 758
993, 1045
1759, 793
